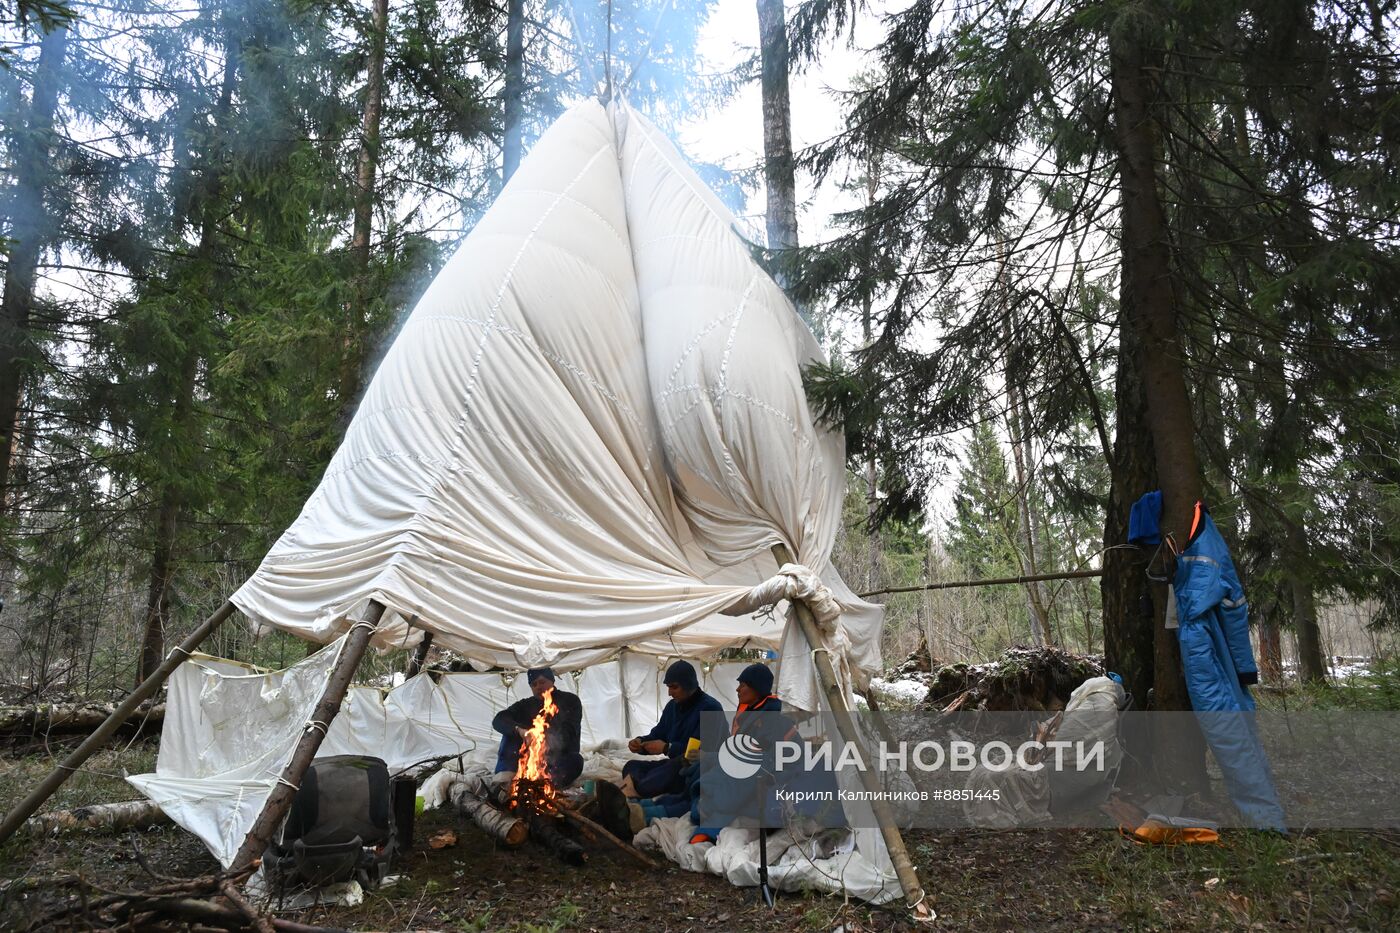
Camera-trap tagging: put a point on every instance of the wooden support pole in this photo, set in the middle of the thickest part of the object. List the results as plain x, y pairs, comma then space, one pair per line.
878, 715
280, 800
420, 654
845, 724
31, 804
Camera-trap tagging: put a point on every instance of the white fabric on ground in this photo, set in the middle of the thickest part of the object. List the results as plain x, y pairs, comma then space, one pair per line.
793, 865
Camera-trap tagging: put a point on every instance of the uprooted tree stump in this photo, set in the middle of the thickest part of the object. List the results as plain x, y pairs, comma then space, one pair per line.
1034, 679
919, 661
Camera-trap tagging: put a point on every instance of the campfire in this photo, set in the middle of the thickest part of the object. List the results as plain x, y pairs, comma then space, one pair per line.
531, 793
534, 808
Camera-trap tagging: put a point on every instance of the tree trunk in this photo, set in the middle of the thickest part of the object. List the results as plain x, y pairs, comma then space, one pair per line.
103, 818
867, 330
25, 722
29, 229
1312, 668
172, 499
779, 175
511, 145
366, 166
166, 530
1129, 621
1149, 312
1035, 602
1270, 651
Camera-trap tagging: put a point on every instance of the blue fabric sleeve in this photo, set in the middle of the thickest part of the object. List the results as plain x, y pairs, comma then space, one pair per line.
662, 729
1234, 615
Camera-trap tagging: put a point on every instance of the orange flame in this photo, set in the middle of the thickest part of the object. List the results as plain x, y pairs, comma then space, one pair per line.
532, 758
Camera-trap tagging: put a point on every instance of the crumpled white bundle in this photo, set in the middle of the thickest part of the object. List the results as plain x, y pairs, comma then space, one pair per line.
793, 581
798, 582
437, 790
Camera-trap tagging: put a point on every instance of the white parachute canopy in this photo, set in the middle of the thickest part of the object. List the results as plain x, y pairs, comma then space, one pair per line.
586, 436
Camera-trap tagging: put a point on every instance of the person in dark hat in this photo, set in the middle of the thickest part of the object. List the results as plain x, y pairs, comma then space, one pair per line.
562, 758
679, 723
756, 716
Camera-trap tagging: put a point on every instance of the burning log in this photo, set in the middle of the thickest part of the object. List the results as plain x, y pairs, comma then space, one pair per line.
499, 825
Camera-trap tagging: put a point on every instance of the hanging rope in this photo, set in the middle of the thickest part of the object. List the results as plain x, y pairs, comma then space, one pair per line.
607, 61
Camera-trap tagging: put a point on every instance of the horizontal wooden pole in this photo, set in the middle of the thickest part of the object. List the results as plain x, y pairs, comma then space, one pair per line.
996, 581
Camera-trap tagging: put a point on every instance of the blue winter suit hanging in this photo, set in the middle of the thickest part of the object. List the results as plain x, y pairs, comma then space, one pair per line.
1218, 661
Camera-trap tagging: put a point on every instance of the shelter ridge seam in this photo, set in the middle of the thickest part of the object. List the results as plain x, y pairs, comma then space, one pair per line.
717, 399
582, 206
721, 388
510, 273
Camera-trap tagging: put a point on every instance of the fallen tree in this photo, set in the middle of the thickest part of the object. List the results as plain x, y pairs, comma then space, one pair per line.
102, 817
25, 723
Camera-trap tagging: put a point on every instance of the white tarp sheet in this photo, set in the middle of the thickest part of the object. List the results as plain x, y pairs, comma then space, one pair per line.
229, 730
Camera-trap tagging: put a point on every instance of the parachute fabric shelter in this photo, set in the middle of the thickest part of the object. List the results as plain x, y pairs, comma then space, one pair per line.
585, 438
586, 435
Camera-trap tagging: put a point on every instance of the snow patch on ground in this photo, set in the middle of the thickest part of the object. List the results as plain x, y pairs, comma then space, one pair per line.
905, 691
1337, 667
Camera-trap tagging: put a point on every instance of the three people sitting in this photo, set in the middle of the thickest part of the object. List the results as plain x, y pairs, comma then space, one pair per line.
652, 788
562, 759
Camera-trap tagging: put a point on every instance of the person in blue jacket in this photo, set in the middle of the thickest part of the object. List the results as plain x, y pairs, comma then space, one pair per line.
679, 723
755, 695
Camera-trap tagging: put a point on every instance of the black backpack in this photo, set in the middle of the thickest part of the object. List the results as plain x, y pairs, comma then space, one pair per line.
347, 822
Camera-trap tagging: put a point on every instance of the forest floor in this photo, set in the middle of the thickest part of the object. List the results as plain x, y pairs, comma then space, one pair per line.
1045, 880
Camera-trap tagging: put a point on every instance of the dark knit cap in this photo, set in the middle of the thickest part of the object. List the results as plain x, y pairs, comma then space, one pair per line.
535, 673
683, 675
759, 677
